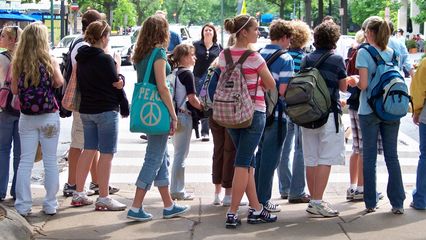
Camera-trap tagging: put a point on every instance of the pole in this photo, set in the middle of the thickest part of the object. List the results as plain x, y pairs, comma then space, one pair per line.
221, 22
52, 34
62, 18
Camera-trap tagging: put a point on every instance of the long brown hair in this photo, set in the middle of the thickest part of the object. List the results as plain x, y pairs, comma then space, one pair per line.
381, 32
154, 33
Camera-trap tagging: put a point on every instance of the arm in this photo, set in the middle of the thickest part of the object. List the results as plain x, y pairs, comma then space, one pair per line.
194, 101
363, 78
57, 78
267, 79
160, 79
418, 91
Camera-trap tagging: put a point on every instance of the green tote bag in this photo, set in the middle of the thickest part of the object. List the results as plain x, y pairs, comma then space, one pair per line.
148, 113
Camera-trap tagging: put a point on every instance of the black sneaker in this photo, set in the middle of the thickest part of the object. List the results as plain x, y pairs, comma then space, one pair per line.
69, 190
232, 221
95, 187
263, 217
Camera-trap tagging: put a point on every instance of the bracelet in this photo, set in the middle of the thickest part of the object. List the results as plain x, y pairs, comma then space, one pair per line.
174, 120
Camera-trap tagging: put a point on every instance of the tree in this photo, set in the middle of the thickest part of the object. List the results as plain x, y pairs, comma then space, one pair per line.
421, 17
308, 12
145, 8
344, 23
124, 14
320, 11
280, 4
362, 9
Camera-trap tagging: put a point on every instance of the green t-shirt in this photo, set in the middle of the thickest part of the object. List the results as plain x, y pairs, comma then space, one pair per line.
142, 65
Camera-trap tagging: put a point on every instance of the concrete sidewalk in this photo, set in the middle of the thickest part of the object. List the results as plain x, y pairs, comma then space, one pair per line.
206, 221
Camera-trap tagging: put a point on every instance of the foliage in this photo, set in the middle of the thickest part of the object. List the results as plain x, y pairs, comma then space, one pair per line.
362, 9
421, 17
410, 43
125, 9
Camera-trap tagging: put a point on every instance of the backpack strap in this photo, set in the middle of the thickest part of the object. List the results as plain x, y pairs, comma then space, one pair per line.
7, 54
74, 43
322, 59
228, 56
244, 57
271, 59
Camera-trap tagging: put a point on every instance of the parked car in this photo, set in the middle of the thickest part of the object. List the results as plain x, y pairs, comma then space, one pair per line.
263, 31
63, 47
122, 44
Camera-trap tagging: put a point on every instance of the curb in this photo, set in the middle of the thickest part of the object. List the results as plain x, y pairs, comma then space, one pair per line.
14, 226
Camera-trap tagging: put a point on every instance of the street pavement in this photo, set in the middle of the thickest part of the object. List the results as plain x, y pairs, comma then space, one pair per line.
206, 221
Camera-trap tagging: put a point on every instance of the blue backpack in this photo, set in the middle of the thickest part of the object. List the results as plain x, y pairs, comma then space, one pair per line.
388, 96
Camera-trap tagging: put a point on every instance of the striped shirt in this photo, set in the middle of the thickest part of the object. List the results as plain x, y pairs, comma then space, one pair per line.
282, 68
251, 68
297, 55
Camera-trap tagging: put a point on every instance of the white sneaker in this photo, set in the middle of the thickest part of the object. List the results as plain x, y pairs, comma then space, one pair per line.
108, 204
272, 207
324, 209
216, 200
226, 202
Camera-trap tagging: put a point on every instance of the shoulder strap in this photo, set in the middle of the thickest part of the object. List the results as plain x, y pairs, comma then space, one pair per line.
322, 59
228, 56
75, 43
245, 55
271, 59
375, 55
149, 66
6, 54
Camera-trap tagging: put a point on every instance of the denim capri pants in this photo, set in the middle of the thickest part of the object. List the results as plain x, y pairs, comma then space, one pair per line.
100, 131
246, 140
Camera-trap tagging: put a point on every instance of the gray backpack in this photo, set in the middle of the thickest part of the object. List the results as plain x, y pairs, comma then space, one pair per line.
307, 97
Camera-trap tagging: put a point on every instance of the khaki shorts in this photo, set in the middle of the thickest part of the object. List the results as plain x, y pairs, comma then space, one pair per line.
323, 146
77, 132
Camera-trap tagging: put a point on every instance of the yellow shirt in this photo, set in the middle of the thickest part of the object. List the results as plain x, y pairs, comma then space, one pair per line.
418, 87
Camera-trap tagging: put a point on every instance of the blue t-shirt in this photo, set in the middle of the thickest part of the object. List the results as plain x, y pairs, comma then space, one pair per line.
142, 65
174, 41
332, 70
282, 68
364, 60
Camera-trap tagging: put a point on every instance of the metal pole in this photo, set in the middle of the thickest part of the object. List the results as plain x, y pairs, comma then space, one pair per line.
62, 18
221, 22
52, 34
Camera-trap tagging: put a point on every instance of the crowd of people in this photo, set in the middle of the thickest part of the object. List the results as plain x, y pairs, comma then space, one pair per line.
244, 159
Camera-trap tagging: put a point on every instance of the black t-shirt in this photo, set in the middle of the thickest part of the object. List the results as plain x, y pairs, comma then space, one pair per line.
186, 86
204, 60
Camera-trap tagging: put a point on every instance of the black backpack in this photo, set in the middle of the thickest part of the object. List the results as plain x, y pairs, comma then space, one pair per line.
66, 69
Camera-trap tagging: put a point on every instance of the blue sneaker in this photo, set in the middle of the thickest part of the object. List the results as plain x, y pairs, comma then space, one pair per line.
140, 216
232, 221
263, 217
176, 211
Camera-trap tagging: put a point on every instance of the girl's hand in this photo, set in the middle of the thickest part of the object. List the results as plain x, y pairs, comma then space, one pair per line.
353, 80
416, 118
119, 84
173, 127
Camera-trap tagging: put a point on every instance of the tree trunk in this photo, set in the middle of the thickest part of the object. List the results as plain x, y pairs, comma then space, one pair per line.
344, 23
282, 5
308, 12
330, 5
320, 11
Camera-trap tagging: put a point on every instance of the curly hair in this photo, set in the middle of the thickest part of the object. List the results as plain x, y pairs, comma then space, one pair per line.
326, 35
96, 31
301, 34
32, 50
279, 29
154, 33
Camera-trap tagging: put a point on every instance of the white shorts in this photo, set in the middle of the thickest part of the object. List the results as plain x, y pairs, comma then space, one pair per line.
77, 132
323, 146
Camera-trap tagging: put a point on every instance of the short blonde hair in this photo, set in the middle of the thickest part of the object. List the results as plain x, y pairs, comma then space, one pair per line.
360, 37
301, 34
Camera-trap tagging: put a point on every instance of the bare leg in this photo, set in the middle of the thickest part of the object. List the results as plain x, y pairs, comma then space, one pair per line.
310, 179
165, 196
73, 156
83, 167
228, 191
239, 185
104, 172
360, 171
217, 188
251, 191
354, 168
139, 197
322, 172
94, 168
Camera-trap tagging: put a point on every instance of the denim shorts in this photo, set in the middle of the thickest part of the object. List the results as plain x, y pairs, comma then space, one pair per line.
100, 131
246, 140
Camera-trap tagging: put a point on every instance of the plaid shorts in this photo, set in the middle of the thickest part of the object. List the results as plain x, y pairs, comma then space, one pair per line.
357, 136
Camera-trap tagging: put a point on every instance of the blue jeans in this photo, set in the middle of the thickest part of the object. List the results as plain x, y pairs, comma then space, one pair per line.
419, 194
8, 134
267, 158
371, 125
181, 141
155, 165
247, 139
101, 131
43, 128
292, 183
